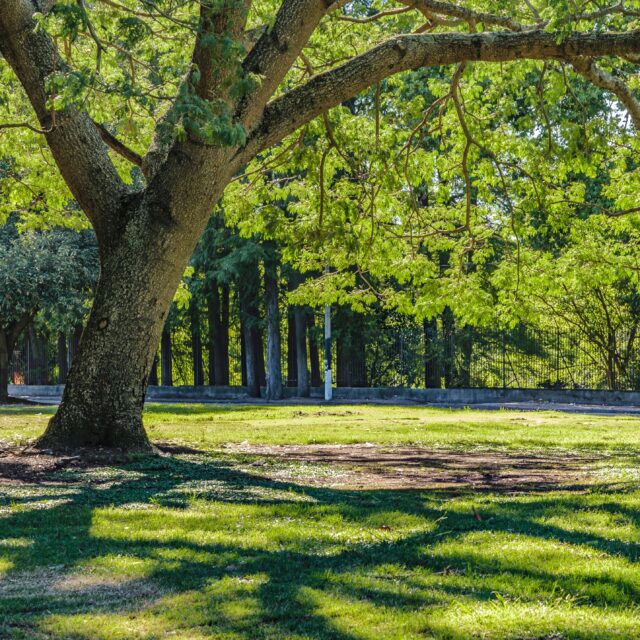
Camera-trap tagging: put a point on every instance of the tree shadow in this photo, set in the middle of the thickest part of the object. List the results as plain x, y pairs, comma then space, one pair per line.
181, 519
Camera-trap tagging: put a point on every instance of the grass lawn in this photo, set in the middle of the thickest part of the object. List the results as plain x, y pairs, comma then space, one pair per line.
424, 523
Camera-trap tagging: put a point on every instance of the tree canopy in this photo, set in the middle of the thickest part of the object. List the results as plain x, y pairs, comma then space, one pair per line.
367, 134
49, 273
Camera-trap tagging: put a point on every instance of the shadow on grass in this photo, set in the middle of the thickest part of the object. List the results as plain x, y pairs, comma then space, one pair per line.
191, 545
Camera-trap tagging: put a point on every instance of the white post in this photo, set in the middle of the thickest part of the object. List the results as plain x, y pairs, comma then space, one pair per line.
328, 382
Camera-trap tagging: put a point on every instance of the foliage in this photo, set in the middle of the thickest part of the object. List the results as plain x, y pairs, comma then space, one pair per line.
47, 272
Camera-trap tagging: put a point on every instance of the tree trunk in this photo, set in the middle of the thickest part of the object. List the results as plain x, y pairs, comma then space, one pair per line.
106, 387
196, 343
166, 358
252, 381
74, 342
218, 338
153, 376
274, 366
249, 341
63, 364
5, 358
261, 372
224, 336
292, 364
243, 354
314, 354
301, 352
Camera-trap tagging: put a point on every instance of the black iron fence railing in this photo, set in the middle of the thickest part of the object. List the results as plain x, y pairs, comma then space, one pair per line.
401, 354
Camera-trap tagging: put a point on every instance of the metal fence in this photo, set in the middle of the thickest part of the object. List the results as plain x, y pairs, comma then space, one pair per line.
394, 352
523, 357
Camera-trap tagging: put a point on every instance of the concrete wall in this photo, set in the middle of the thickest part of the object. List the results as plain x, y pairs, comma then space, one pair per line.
430, 396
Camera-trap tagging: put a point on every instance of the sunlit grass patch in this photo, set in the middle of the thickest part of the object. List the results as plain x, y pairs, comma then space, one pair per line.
243, 546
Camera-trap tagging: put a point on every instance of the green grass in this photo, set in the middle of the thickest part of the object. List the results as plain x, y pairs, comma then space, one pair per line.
201, 546
211, 426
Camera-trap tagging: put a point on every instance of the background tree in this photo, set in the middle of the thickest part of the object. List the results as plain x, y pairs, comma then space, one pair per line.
203, 118
46, 273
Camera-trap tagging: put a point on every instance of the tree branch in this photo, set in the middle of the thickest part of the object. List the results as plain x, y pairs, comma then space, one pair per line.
604, 80
76, 145
285, 114
278, 48
467, 15
119, 147
217, 24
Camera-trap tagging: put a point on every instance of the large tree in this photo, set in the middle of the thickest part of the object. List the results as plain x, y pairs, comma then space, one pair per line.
244, 87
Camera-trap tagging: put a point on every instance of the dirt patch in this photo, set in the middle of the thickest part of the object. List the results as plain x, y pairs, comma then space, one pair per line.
363, 466
354, 466
29, 465
24, 464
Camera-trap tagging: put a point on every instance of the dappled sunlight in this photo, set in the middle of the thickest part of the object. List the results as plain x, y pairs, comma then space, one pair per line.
204, 545
512, 619
536, 563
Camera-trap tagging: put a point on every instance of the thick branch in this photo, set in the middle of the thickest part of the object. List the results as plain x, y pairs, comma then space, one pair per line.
217, 23
468, 15
74, 140
288, 112
278, 48
608, 82
14, 329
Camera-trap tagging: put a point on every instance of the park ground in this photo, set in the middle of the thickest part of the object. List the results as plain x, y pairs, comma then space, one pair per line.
313, 523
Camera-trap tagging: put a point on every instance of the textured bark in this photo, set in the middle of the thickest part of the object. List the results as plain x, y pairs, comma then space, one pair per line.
250, 358
286, 113
75, 142
243, 355
609, 82
274, 353
153, 376
146, 238
261, 372
105, 390
250, 335
74, 342
218, 338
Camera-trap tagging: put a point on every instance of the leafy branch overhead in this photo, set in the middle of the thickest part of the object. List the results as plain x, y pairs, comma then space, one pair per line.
406, 138
123, 64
